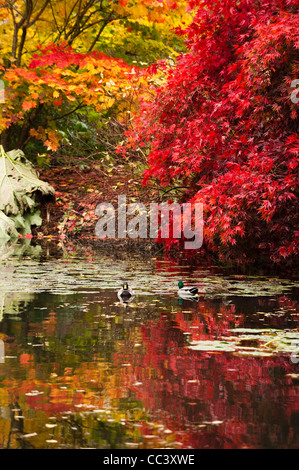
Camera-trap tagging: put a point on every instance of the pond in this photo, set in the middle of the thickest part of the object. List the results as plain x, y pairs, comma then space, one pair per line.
79, 369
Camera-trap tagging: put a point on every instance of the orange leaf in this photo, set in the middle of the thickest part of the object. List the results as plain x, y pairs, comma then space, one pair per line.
28, 105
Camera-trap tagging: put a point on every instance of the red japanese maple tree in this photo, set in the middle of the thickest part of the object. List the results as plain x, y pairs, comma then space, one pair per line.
225, 125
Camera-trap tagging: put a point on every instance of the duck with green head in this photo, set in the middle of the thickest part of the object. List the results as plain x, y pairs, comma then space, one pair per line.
187, 292
126, 294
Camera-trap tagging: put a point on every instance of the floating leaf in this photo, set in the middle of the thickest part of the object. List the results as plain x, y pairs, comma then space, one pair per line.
212, 346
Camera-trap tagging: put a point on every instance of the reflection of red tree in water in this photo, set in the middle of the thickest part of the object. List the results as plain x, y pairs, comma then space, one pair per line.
248, 401
210, 322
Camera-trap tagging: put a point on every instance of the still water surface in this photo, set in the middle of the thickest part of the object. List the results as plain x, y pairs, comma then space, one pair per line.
82, 370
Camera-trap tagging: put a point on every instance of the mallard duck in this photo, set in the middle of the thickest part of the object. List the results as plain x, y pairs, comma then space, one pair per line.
125, 294
187, 292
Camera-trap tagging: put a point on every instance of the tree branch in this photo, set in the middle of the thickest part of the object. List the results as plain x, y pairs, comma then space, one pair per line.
37, 16
80, 106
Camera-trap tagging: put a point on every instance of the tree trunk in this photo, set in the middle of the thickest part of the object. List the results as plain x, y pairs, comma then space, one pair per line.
24, 135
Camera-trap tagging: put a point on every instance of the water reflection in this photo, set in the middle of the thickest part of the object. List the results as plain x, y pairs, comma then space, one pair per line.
82, 370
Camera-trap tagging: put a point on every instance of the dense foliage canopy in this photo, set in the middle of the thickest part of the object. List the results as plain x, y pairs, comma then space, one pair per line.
64, 59
225, 126
217, 116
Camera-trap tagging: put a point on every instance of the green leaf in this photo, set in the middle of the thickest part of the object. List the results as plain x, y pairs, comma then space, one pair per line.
7, 227
19, 184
